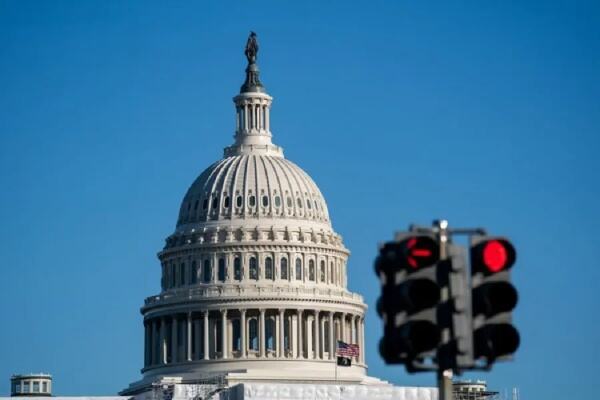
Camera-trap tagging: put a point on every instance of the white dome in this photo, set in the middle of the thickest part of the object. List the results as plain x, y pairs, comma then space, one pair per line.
250, 185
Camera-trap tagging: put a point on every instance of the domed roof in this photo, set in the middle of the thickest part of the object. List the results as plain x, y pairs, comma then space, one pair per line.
253, 185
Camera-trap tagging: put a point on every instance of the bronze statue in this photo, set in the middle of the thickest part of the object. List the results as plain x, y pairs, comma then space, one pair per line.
252, 83
251, 48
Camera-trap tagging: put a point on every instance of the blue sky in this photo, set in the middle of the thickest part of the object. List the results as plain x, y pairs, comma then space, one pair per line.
484, 113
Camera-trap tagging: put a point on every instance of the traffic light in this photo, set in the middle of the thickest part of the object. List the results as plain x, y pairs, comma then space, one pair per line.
409, 300
493, 298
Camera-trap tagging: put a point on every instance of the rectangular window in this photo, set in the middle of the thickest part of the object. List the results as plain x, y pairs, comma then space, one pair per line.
36, 387
173, 281
182, 274
194, 272
45, 387
26, 387
18, 387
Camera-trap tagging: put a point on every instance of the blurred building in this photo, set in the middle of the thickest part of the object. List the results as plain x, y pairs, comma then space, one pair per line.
31, 385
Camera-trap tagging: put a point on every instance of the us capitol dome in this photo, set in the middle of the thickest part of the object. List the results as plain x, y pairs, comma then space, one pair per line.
254, 278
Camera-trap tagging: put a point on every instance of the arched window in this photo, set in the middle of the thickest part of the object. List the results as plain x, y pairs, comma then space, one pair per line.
299, 202
182, 274
236, 333
238, 201
284, 269
215, 202
253, 270
311, 270
205, 204
308, 204
206, 275
194, 273
298, 269
253, 334
252, 201
268, 268
286, 334
270, 333
322, 272
265, 201
221, 269
289, 202
226, 202
237, 269
196, 205
277, 201
326, 336
331, 272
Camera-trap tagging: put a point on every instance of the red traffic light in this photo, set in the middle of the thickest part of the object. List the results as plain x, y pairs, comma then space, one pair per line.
420, 251
412, 252
493, 255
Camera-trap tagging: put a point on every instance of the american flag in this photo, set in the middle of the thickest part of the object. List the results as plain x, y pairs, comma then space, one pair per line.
347, 350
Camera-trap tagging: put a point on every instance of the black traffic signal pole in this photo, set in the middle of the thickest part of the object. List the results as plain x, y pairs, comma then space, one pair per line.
444, 234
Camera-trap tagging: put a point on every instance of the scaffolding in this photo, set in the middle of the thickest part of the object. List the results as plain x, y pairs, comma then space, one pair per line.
202, 388
480, 395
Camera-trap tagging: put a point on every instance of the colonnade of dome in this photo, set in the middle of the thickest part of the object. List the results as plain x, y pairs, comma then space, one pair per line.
249, 333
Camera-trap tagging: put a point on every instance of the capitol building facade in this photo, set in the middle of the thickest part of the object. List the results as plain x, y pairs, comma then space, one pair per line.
254, 278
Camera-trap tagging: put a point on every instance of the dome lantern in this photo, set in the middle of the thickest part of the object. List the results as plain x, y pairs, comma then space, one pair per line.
253, 105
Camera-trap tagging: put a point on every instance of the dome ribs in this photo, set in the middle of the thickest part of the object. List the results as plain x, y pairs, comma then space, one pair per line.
245, 188
304, 192
269, 192
281, 191
252, 177
217, 192
288, 180
232, 175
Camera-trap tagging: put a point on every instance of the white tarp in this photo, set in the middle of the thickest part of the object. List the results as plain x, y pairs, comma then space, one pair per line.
270, 391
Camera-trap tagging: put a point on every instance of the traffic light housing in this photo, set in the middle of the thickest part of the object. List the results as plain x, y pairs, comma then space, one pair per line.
493, 298
409, 300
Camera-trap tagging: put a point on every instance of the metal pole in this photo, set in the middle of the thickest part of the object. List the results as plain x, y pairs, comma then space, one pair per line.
444, 377
444, 384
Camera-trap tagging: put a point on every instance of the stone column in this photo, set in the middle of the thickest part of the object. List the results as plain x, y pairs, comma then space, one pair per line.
205, 328
316, 336
280, 348
331, 338
224, 334
189, 338
267, 119
343, 327
261, 344
243, 343
362, 340
163, 341
353, 329
300, 334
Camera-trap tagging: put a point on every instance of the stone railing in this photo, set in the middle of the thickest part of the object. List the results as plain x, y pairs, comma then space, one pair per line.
236, 292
